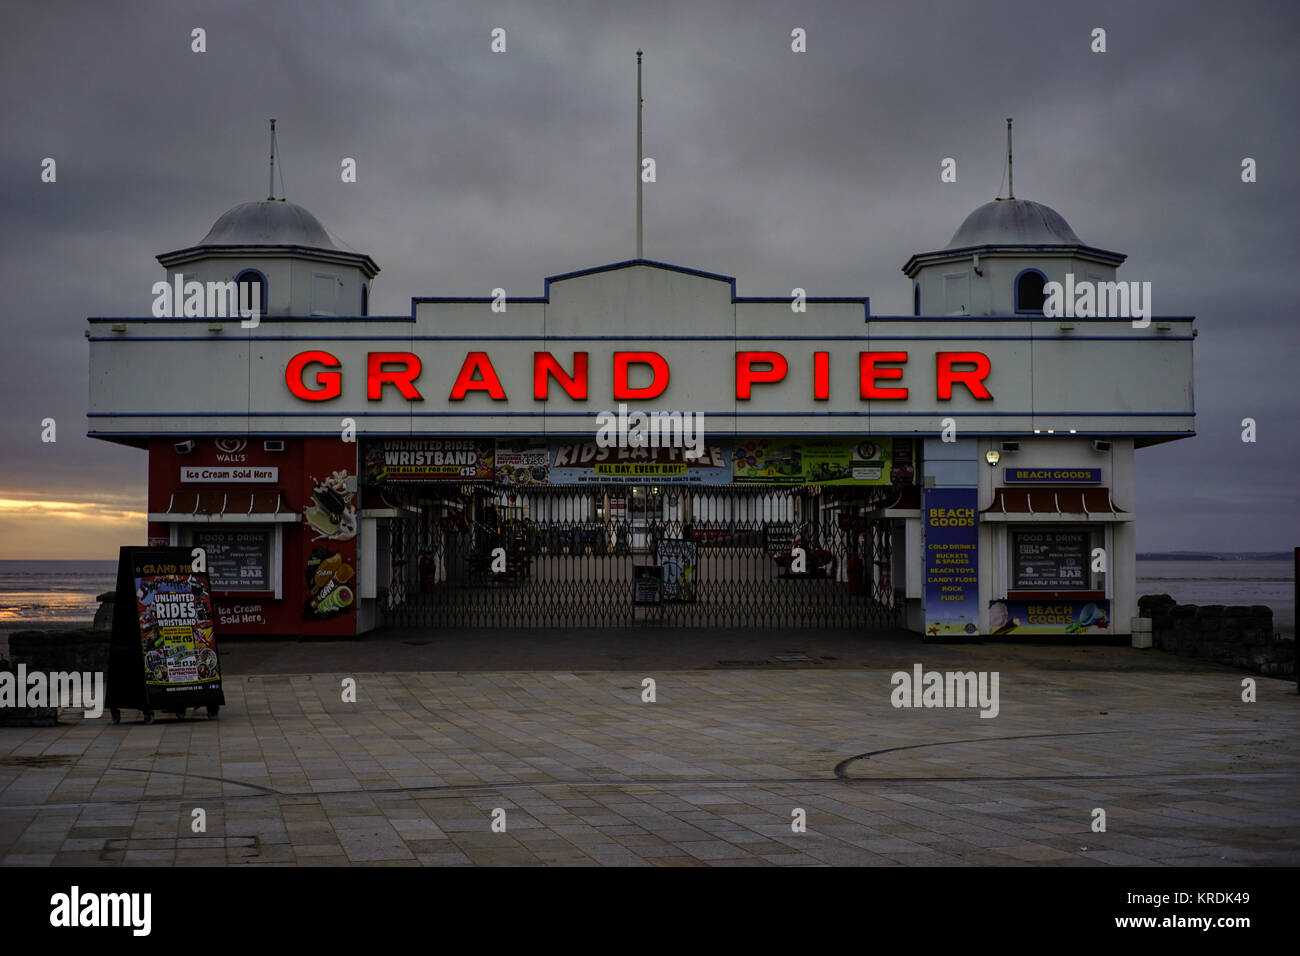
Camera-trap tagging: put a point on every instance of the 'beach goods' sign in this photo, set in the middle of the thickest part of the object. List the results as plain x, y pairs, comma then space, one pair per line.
1053, 476
951, 561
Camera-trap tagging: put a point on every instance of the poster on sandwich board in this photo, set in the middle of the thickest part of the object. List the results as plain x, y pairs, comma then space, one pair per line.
163, 653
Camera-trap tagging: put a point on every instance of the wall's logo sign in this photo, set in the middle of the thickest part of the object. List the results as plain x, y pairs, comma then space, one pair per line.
230, 451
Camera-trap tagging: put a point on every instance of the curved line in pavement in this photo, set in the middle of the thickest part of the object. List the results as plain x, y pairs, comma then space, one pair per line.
841, 768
458, 789
201, 776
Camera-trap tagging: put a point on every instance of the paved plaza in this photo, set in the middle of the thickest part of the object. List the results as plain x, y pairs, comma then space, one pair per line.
712, 772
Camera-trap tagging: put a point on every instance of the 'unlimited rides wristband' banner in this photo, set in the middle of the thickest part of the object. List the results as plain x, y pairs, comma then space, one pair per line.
951, 561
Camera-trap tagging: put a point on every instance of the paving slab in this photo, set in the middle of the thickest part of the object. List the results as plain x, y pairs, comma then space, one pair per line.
444, 733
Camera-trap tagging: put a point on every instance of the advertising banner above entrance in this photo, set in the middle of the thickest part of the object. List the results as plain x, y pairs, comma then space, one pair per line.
790, 462
583, 463
428, 459
823, 461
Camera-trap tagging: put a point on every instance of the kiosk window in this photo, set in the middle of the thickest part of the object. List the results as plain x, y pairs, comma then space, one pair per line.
237, 560
1052, 560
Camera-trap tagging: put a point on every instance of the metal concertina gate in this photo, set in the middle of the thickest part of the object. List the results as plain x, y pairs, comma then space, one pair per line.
570, 551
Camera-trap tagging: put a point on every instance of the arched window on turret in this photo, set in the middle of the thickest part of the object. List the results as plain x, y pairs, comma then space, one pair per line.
916, 298
365, 299
1029, 292
252, 290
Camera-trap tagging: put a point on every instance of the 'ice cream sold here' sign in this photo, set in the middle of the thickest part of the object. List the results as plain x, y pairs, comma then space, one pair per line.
229, 473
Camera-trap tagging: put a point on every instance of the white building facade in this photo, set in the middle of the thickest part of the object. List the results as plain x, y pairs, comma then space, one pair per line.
970, 467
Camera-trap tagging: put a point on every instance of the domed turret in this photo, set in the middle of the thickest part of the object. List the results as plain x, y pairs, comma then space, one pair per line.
283, 248
1000, 258
1014, 222
268, 222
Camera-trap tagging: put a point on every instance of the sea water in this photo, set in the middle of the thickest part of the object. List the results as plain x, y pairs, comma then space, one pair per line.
1225, 582
53, 592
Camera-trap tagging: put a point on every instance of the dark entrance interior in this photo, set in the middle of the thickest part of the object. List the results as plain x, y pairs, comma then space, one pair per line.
484, 556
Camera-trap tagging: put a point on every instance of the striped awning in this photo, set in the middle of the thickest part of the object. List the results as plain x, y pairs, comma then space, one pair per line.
1053, 504
260, 506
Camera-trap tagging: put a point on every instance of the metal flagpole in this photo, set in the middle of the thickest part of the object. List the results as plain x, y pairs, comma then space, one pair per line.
639, 243
271, 192
1011, 189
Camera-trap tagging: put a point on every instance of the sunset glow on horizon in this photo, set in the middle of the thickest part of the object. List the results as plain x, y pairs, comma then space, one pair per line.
69, 528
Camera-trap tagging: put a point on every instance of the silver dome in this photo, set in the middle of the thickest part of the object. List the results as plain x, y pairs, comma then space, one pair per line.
1014, 222
268, 222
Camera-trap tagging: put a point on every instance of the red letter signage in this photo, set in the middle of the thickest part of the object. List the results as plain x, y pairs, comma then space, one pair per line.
331, 383
746, 374
658, 382
869, 373
477, 362
973, 379
821, 376
404, 378
546, 365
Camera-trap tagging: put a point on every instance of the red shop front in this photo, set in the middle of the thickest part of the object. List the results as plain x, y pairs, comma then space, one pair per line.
278, 521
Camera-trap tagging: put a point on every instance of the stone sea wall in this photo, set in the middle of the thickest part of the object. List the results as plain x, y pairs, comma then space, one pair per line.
82, 650
1236, 635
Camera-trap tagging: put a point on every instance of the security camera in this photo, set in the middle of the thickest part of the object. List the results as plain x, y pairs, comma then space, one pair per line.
184, 447
1099, 444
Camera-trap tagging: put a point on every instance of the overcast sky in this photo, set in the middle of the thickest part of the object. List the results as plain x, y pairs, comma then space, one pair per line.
818, 170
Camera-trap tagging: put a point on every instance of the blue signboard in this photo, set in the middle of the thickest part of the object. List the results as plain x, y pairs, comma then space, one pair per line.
574, 462
951, 535
1053, 476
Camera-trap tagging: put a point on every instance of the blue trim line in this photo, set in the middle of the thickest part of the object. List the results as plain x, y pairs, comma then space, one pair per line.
480, 300
865, 338
864, 301
382, 435
300, 319
410, 319
331, 413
